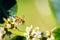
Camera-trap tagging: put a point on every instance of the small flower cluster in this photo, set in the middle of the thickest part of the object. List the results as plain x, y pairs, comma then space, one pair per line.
32, 34
13, 22
2, 32
10, 23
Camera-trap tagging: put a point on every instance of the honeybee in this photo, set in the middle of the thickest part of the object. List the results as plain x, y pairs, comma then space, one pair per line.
19, 20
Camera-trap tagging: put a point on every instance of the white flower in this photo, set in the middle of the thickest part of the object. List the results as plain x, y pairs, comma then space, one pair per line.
8, 26
1, 36
27, 30
51, 38
2, 32
1, 28
31, 26
37, 28
8, 19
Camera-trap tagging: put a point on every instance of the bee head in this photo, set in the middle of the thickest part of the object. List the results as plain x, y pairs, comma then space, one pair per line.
23, 21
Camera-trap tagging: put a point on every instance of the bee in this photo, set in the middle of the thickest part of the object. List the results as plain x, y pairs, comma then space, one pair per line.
19, 20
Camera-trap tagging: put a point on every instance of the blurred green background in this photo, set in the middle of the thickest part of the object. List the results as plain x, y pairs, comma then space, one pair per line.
37, 13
